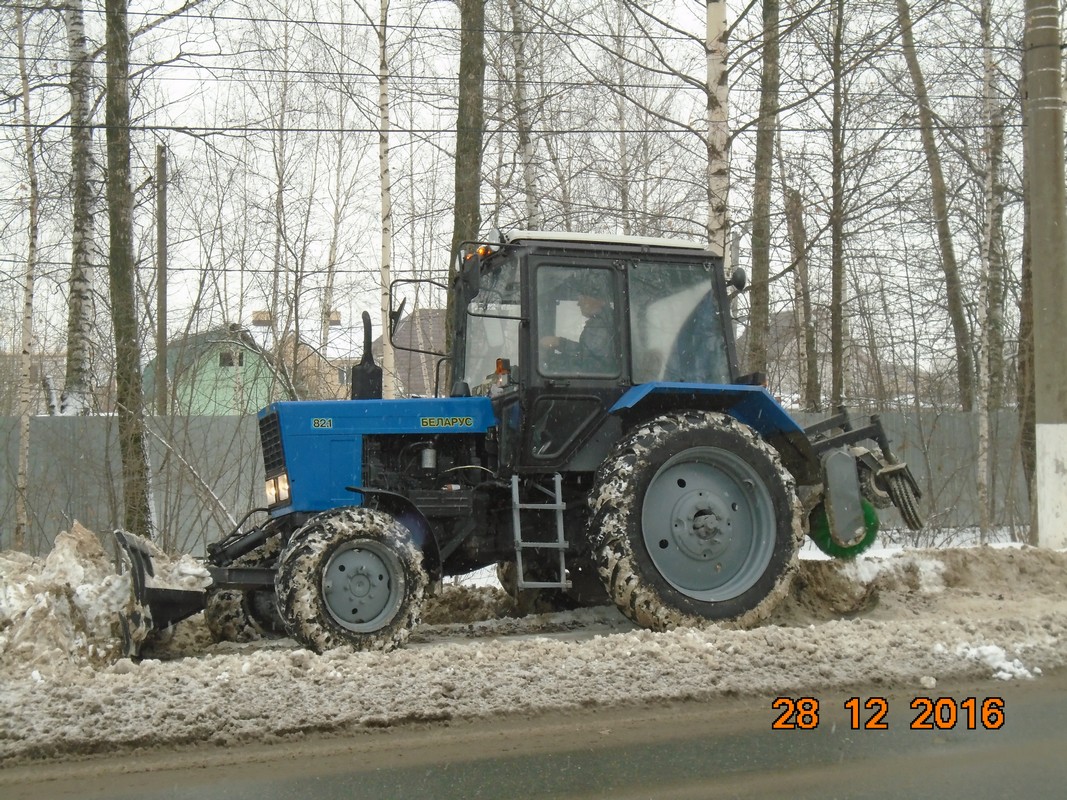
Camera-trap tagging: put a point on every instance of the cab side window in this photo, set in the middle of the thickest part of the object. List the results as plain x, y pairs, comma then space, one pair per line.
577, 322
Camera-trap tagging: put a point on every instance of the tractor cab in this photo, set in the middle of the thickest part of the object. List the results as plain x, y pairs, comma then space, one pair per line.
556, 330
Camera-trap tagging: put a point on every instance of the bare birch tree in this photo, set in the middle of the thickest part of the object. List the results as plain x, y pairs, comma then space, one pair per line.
389, 382
75, 398
1026, 378
718, 139
837, 211
522, 117
29, 278
989, 364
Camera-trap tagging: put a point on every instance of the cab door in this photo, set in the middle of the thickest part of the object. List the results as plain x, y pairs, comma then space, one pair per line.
579, 346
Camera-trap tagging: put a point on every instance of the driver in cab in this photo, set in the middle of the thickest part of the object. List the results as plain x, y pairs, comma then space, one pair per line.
596, 350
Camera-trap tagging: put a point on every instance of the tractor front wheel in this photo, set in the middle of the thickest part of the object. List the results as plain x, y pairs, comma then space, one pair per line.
351, 577
696, 519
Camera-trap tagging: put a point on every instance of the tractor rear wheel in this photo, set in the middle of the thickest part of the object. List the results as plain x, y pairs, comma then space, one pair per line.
351, 577
695, 519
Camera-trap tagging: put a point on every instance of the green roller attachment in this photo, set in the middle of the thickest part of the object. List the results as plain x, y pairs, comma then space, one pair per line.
819, 531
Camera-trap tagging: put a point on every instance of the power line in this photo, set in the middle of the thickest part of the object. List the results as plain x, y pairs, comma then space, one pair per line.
314, 23
232, 130
642, 36
304, 76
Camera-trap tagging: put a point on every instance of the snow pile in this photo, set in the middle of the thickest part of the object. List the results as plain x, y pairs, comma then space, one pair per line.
909, 620
467, 604
1004, 668
923, 568
65, 609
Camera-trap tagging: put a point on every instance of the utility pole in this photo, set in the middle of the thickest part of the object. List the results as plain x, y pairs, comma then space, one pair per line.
161, 280
1048, 219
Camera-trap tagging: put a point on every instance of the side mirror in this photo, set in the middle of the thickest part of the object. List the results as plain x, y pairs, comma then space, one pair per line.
738, 280
470, 272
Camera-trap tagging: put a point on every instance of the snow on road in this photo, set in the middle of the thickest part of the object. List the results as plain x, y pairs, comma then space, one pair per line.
906, 619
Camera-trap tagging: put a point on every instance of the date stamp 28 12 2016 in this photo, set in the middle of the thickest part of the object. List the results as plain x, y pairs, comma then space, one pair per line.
872, 713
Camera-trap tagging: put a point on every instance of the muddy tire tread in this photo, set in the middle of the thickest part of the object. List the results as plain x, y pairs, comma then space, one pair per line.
614, 501
299, 575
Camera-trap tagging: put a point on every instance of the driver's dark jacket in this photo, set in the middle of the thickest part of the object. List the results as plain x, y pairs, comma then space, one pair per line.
595, 351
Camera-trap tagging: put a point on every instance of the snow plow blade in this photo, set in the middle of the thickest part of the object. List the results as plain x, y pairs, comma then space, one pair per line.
151, 608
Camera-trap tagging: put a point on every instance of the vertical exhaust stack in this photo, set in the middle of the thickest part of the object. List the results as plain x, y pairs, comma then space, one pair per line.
366, 375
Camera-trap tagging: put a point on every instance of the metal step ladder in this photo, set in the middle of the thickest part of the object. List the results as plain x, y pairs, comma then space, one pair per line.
560, 543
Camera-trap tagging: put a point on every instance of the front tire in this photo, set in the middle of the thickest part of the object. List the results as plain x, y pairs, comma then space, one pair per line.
696, 520
351, 577
239, 615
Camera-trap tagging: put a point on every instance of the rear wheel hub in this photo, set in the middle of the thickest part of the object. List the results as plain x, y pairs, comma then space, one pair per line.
708, 523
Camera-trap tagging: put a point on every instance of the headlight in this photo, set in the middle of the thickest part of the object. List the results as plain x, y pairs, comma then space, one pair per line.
277, 489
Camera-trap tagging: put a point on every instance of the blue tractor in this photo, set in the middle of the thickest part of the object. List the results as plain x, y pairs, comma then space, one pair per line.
598, 443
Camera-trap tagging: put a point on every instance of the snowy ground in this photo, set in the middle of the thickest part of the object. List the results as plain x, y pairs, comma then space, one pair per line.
906, 619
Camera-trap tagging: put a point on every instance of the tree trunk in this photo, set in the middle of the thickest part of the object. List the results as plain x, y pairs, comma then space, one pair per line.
760, 291
470, 122
279, 328
1027, 387
953, 289
389, 387
993, 239
522, 118
624, 166
718, 142
335, 236
1025, 377
162, 387
566, 201
22, 480
809, 357
121, 274
990, 331
77, 384
837, 216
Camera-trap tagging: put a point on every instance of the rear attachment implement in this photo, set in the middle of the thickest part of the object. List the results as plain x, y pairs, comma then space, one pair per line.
857, 481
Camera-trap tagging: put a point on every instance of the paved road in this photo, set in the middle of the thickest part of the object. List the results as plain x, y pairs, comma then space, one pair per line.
725, 748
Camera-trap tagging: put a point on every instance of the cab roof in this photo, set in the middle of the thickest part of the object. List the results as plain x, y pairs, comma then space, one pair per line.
564, 237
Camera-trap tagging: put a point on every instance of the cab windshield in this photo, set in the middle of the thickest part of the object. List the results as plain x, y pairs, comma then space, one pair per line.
492, 324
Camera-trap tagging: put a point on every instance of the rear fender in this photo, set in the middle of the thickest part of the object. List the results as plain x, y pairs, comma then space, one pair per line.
752, 405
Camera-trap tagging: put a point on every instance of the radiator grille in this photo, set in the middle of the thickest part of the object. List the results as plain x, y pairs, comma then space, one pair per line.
270, 439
